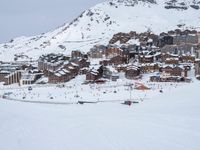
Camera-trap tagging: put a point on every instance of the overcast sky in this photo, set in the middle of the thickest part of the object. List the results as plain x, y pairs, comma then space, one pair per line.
31, 17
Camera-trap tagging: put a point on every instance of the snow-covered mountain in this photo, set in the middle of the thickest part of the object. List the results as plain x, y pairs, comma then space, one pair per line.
97, 25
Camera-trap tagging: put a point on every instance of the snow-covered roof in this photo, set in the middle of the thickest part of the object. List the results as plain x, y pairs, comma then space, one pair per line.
74, 64
173, 66
157, 54
172, 58
132, 67
5, 72
148, 56
70, 67
58, 74
150, 64
61, 72
66, 71
94, 73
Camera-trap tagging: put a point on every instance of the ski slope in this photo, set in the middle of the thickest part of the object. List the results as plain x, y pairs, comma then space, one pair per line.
167, 121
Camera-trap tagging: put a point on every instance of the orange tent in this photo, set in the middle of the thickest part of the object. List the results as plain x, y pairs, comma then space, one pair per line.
141, 87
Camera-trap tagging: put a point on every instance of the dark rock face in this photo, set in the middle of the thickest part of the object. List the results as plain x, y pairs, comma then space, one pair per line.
130, 2
195, 6
180, 5
176, 7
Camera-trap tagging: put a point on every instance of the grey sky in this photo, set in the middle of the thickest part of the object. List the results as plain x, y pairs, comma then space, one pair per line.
31, 17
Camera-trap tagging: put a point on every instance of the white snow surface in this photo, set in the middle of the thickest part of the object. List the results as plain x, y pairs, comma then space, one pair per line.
168, 120
98, 24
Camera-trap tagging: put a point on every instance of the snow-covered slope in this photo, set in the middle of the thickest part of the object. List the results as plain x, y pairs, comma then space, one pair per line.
97, 25
169, 121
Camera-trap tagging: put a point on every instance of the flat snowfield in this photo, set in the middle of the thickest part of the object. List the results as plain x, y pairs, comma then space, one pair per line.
168, 121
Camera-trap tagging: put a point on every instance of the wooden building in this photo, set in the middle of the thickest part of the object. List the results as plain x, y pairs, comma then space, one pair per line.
10, 73
60, 76
166, 56
165, 40
117, 60
83, 71
187, 58
172, 60
51, 62
110, 72
150, 67
29, 77
146, 58
10, 77
113, 52
174, 70
132, 72
76, 54
92, 75
98, 51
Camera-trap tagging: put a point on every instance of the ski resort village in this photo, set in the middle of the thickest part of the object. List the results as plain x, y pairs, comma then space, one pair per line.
130, 63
